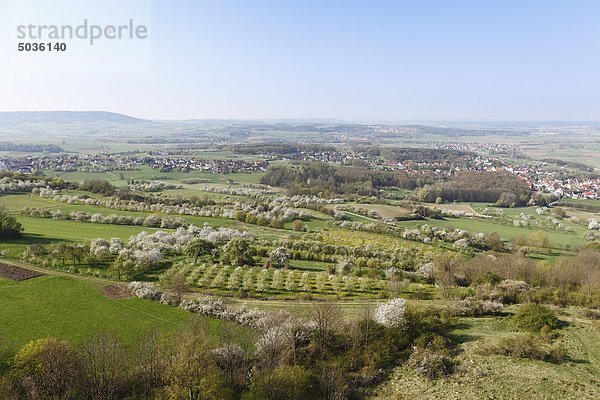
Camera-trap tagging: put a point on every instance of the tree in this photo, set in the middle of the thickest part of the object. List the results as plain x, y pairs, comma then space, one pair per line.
299, 226
10, 228
445, 268
98, 186
104, 368
124, 265
276, 223
238, 251
231, 359
151, 363
280, 257
240, 215
178, 285
193, 373
327, 318
198, 248
559, 212
46, 369
507, 199
494, 242
539, 239
282, 383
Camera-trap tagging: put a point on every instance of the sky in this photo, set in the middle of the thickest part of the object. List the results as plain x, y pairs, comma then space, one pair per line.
370, 61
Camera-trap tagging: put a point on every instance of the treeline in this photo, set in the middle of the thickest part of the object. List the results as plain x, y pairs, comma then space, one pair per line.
502, 188
571, 164
580, 205
425, 155
281, 148
315, 177
515, 278
127, 193
33, 148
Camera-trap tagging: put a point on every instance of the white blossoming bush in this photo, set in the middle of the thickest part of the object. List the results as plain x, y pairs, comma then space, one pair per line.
154, 186
8, 185
229, 354
391, 313
145, 290
475, 308
215, 307
169, 299
280, 257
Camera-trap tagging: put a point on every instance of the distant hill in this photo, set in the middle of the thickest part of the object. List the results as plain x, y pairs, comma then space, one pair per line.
8, 119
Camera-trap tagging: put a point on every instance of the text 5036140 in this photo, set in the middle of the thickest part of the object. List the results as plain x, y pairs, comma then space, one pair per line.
42, 46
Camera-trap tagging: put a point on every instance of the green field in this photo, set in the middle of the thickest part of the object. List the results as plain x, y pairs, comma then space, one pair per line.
75, 309
147, 173
506, 232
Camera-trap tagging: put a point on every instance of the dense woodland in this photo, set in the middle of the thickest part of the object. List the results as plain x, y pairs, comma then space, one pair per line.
282, 148
34, 148
315, 177
503, 188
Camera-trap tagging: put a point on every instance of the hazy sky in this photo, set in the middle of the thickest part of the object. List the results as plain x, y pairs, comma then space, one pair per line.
354, 60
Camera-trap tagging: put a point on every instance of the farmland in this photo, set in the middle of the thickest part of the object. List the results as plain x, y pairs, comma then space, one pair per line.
406, 278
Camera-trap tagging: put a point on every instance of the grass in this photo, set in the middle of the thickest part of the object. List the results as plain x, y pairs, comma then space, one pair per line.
47, 230
75, 309
384, 210
147, 173
506, 232
498, 377
75, 231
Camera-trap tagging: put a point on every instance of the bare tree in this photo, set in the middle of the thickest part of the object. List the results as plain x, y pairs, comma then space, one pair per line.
104, 367
58, 371
178, 285
151, 364
327, 318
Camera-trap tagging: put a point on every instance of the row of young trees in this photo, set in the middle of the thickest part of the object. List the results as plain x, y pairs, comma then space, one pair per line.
269, 281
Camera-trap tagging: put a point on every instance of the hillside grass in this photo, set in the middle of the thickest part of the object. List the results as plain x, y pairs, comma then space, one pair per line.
506, 232
74, 309
481, 376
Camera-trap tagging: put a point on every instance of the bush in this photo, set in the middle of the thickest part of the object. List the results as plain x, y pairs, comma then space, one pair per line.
476, 308
285, 382
529, 347
10, 228
431, 364
534, 317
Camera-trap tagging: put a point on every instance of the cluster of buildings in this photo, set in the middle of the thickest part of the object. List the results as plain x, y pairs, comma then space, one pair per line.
168, 164
127, 162
69, 163
490, 148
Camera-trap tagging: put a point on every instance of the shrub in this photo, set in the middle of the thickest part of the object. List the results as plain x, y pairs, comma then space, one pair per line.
476, 308
528, 346
391, 313
431, 364
299, 226
534, 317
284, 382
10, 228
